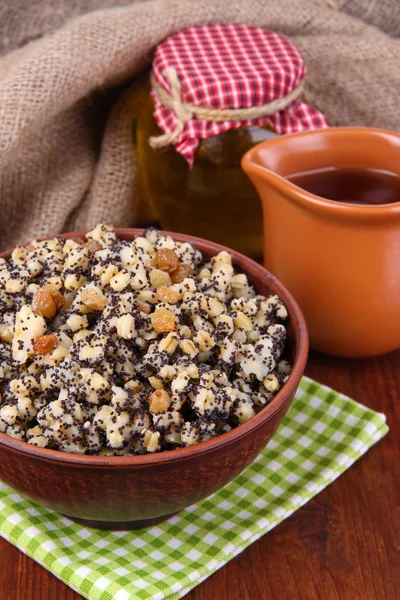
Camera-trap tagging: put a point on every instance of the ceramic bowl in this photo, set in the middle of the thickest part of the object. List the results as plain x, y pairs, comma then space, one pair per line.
126, 492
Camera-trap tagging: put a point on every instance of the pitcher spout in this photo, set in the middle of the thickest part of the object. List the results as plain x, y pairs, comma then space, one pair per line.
264, 180
272, 164
268, 165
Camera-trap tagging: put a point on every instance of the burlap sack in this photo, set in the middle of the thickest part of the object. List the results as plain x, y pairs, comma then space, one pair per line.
66, 153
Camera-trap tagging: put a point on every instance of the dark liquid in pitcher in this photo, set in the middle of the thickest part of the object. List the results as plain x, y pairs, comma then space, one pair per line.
352, 185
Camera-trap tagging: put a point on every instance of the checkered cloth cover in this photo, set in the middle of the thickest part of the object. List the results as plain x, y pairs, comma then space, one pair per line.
231, 66
322, 435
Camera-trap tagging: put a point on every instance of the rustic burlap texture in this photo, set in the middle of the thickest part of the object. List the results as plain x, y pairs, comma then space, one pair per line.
67, 99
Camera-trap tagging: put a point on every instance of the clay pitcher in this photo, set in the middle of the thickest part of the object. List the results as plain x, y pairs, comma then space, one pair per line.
341, 261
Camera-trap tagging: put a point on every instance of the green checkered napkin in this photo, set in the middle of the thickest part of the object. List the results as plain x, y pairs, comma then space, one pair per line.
321, 436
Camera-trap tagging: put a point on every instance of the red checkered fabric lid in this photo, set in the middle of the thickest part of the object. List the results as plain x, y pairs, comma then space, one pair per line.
227, 67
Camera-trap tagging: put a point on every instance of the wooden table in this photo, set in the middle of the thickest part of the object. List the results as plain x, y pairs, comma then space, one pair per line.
343, 545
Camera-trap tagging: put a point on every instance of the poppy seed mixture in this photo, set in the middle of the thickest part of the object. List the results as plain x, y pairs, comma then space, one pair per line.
123, 347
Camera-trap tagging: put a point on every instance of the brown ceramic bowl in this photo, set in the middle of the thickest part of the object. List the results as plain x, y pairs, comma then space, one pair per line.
126, 492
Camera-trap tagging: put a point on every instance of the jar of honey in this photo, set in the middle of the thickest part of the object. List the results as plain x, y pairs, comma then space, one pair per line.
214, 92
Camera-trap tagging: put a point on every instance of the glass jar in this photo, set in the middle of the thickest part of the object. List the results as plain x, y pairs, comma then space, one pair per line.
214, 199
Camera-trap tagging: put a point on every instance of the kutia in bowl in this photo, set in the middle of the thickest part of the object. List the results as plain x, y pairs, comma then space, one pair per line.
141, 371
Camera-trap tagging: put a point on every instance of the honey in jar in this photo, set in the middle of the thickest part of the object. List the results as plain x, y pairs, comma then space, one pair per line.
214, 92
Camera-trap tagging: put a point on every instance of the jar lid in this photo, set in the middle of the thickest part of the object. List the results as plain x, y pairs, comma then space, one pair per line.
209, 79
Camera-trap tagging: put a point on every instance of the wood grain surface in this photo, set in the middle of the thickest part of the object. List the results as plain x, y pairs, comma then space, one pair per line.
343, 545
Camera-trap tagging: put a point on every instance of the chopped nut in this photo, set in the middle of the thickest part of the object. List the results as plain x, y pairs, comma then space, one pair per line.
244, 412
105, 273
146, 296
204, 340
207, 379
120, 280
98, 382
188, 347
73, 282
239, 281
212, 305
163, 320
58, 354
94, 298
192, 370
35, 437
77, 258
159, 401
9, 414
28, 326
166, 260
15, 285
165, 294
44, 344
226, 323
34, 267
129, 258
145, 245
151, 440
19, 255
53, 284
271, 383
125, 326
6, 332
242, 321
204, 274
81, 335
167, 372
222, 258
134, 384
181, 273
90, 353
169, 343
185, 332
76, 322
69, 245
180, 382
156, 383
44, 304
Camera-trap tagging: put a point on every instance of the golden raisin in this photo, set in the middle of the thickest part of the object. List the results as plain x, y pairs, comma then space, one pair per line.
92, 245
159, 401
163, 320
93, 299
181, 273
44, 344
165, 294
142, 306
167, 260
44, 304
55, 292
159, 278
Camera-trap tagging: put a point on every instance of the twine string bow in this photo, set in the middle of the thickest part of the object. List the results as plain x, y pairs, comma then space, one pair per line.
185, 111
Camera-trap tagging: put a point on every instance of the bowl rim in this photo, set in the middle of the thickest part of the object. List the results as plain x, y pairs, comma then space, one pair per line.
225, 439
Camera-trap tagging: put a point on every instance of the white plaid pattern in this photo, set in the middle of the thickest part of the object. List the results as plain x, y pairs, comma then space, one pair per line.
166, 561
